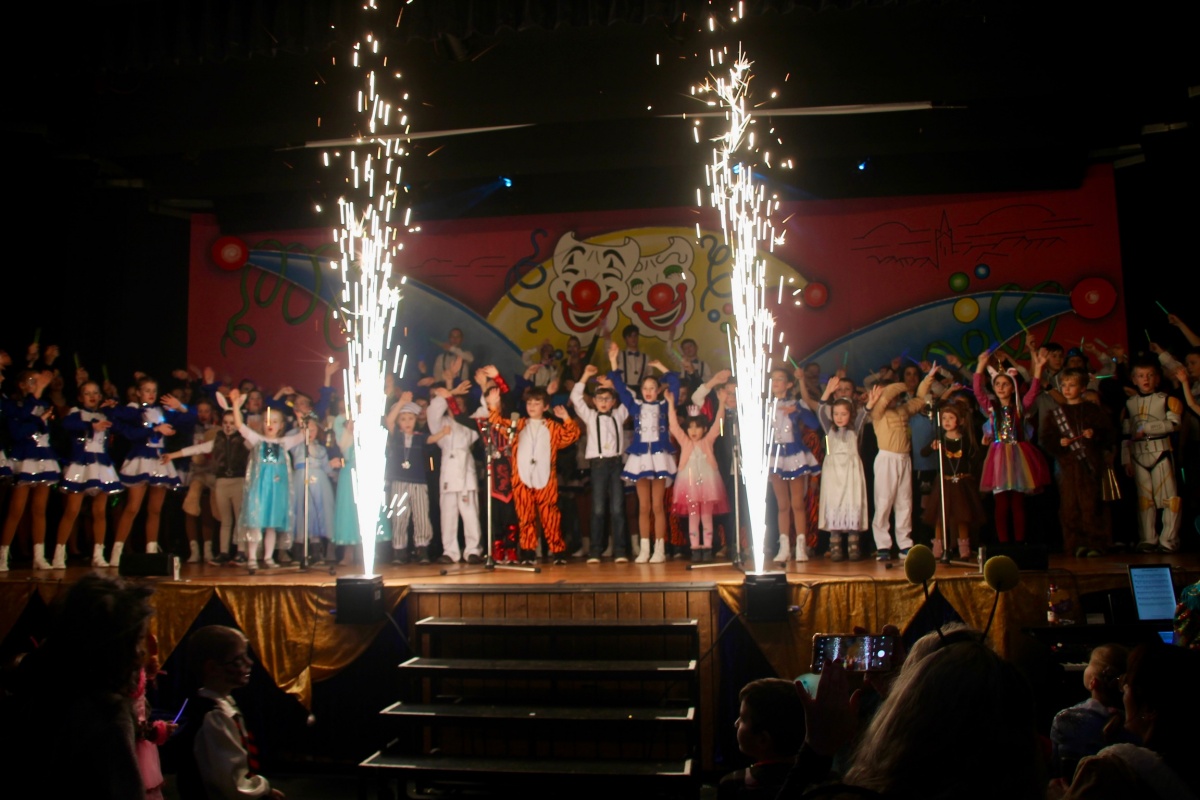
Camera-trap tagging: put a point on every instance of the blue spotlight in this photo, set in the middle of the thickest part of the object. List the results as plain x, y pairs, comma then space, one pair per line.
507, 182
862, 165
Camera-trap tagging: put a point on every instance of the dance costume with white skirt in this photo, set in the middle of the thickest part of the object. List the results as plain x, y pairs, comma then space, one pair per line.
843, 505
136, 422
649, 454
33, 459
789, 455
90, 470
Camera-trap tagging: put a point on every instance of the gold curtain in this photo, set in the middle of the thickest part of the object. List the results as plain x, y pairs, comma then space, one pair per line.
176, 606
825, 607
293, 631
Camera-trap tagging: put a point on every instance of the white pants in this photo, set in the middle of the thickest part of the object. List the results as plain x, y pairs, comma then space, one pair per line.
1156, 489
893, 490
466, 505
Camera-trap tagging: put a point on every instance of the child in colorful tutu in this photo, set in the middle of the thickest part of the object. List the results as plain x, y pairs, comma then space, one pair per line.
89, 474
1014, 467
699, 490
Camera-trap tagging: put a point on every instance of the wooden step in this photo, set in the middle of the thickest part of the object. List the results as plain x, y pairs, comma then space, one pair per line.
470, 768
548, 669
458, 712
539, 625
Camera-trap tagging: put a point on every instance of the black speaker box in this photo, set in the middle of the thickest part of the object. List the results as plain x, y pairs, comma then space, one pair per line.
146, 565
360, 599
1027, 556
766, 597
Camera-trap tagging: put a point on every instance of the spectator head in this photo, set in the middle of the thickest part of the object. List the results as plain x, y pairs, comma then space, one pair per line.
688, 348
1145, 376
964, 709
1191, 360
102, 623
1056, 356
218, 658
1162, 704
455, 337
770, 721
1075, 359
630, 334
1106, 665
536, 402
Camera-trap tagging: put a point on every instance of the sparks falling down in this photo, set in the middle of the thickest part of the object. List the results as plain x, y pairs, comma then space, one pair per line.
745, 211
368, 238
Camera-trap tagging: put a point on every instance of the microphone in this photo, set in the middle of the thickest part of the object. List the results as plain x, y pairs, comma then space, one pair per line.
919, 567
1000, 573
513, 419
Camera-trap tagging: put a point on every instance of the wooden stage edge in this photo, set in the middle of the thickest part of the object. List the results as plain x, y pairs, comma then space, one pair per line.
580, 576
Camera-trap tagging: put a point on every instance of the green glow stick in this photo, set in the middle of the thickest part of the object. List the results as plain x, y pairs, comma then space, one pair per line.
1164, 308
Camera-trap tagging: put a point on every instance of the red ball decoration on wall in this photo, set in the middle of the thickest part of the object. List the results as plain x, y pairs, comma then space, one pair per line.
1093, 298
816, 295
230, 253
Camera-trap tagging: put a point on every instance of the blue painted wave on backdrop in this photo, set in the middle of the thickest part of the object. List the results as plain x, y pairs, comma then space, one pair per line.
425, 315
1000, 318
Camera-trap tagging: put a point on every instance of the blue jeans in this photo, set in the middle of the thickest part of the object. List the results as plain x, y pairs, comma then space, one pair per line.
608, 492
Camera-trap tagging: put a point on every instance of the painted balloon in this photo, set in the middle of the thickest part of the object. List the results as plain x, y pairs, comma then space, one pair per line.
982, 271
966, 309
230, 253
959, 282
816, 295
1093, 298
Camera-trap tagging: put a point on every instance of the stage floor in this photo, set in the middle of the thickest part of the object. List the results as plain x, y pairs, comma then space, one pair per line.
579, 574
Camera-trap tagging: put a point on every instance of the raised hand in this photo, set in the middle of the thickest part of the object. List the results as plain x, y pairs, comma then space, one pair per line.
561, 412
171, 402
462, 388
552, 386
165, 429
658, 365
331, 368
589, 372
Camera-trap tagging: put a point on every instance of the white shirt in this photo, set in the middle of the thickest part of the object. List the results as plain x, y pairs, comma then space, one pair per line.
605, 433
533, 454
220, 755
458, 465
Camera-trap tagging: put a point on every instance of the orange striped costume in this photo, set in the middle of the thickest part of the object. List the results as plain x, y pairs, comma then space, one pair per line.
541, 503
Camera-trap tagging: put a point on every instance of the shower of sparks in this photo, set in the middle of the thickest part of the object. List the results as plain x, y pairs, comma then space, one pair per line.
745, 211
369, 243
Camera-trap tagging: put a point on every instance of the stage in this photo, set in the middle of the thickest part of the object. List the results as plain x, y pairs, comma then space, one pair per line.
289, 614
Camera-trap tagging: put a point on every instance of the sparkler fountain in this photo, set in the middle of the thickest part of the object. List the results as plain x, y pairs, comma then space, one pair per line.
745, 211
369, 240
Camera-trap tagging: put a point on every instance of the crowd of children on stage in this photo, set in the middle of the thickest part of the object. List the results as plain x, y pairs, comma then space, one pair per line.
635, 461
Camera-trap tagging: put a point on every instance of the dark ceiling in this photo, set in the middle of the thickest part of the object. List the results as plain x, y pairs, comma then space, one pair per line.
207, 104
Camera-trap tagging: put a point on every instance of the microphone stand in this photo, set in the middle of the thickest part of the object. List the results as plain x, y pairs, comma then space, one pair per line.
491, 453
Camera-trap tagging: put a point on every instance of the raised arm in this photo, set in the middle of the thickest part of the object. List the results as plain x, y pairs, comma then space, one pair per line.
673, 420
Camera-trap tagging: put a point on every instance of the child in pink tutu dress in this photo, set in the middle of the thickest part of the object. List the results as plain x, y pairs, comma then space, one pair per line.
699, 490
1013, 467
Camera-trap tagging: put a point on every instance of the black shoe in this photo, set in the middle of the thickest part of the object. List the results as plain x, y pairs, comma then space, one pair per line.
239, 559
474, 558
445, 559
220, 560
422, 555
400, 557
560, 558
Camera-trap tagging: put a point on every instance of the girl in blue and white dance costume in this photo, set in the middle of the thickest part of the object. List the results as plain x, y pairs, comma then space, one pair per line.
90, 472
650, 463
791, 462
34, 465
267, 503
146, 423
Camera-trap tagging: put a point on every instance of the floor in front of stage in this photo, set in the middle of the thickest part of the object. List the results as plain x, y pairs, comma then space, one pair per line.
578, 574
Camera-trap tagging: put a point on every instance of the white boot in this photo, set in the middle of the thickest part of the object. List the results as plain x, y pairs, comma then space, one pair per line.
194, 557
208, 553
98, 556
785, 549
60, 557
151, 547
801, 547
3, 558
114, 559
643, 554
39, 556
660, 551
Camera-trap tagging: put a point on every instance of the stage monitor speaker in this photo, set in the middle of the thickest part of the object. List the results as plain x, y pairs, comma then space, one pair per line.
766, 597
1027, 556
147, 565
360, 600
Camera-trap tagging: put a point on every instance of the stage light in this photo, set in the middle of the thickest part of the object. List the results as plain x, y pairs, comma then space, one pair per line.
507, 182
862, 165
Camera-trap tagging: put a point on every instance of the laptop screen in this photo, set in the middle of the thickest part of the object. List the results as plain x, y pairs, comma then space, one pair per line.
1153, 591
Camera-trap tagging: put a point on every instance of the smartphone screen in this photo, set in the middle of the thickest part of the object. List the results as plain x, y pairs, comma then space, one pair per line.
872, 653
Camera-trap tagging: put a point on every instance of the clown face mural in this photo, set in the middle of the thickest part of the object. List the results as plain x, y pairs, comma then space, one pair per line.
660, 291
590, 284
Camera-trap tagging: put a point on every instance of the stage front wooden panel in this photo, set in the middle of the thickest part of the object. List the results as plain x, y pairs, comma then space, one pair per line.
586, 601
